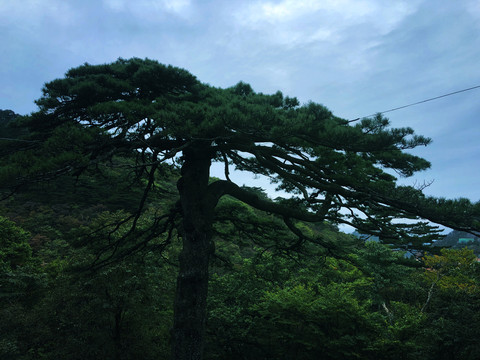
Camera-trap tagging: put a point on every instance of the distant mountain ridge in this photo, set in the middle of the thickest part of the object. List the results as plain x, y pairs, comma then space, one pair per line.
452, 239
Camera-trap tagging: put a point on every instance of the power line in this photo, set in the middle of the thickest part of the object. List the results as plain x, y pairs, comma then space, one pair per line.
416, 103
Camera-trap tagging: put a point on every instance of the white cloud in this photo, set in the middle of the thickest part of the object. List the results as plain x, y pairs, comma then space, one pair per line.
297, 22
33, 13
288, 10
473, 8
150, 9
116, 5
177, 6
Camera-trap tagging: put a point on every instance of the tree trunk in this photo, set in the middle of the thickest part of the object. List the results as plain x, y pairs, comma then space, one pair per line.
117, 332
192, 282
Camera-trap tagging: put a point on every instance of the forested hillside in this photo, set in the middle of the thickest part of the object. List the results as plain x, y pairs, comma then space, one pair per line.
116, 243
367, 302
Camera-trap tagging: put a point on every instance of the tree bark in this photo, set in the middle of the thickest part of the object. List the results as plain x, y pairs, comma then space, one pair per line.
192, 282
117, 332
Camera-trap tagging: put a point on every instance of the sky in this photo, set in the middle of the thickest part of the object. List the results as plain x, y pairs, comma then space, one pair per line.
356, 57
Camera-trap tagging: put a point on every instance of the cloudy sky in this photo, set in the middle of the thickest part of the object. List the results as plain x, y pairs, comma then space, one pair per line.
357, 57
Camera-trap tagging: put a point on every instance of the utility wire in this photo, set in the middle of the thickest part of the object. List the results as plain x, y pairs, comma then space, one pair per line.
416, 103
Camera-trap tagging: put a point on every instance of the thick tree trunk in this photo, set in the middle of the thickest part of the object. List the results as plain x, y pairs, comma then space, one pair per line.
192, 282
117, 333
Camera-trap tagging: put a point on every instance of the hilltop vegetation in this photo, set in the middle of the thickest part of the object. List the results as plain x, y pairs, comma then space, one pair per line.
264, 302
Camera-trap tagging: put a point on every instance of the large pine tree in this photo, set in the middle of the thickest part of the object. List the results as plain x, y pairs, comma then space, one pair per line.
335, 171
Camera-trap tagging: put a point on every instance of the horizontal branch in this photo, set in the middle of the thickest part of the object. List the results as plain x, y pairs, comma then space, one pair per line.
222, 187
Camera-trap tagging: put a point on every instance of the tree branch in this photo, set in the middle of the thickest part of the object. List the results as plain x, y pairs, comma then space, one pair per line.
222, 187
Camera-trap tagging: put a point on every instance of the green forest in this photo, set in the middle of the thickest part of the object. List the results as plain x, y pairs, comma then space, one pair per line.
117, 243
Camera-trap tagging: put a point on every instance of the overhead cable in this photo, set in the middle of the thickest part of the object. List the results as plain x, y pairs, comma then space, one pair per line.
416, 103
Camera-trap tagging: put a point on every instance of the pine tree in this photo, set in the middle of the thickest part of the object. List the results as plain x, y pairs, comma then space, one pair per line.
334, 171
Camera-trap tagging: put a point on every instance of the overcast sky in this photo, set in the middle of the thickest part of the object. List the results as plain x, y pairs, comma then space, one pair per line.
356, 57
